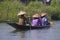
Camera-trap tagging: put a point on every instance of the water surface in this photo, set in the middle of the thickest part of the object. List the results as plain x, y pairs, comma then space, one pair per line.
9, 33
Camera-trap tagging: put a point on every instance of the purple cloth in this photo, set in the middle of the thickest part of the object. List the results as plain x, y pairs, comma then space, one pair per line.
45, 21
36, 22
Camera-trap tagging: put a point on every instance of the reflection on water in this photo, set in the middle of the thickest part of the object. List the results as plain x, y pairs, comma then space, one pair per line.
9, 33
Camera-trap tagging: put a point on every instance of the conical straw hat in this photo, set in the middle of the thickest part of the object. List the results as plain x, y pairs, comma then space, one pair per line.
21, 13
43, 14
36, 16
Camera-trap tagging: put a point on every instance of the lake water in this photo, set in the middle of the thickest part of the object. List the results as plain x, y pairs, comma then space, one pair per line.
9, 33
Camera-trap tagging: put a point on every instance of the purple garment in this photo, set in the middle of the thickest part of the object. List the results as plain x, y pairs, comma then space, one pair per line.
36, 22
45, 21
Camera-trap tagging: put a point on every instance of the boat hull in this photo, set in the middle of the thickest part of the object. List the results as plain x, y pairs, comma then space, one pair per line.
17, 26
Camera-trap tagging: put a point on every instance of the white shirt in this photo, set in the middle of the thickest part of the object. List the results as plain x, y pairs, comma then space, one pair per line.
47, 0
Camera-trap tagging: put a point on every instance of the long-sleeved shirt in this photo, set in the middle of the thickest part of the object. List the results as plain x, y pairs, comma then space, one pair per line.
44, 21
36, 22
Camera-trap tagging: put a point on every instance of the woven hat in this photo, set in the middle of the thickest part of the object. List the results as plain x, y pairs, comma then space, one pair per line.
36, 16
43, 14
21, 13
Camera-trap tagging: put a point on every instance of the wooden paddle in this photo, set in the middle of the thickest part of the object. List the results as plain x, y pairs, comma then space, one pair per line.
52, 23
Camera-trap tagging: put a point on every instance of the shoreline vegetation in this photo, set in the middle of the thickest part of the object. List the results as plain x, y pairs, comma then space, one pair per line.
9, 9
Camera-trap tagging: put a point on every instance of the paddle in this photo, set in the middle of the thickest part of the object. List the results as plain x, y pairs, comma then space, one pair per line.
52, 23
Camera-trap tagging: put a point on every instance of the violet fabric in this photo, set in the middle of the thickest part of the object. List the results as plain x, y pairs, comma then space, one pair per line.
36, 22
44, 21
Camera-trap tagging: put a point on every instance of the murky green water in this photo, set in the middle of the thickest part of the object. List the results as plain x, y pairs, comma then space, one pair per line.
9, 33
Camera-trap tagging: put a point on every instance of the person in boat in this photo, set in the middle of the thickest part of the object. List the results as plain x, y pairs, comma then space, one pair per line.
36, 20
22, 18
44, 19
48, 2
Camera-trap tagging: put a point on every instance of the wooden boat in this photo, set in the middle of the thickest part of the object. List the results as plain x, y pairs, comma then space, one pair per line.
17, 26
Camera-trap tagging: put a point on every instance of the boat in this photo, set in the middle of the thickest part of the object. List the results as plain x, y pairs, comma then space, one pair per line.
17, 26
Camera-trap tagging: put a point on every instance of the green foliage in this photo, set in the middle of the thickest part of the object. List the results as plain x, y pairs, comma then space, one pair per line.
54, 9
10, 8
34, 7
